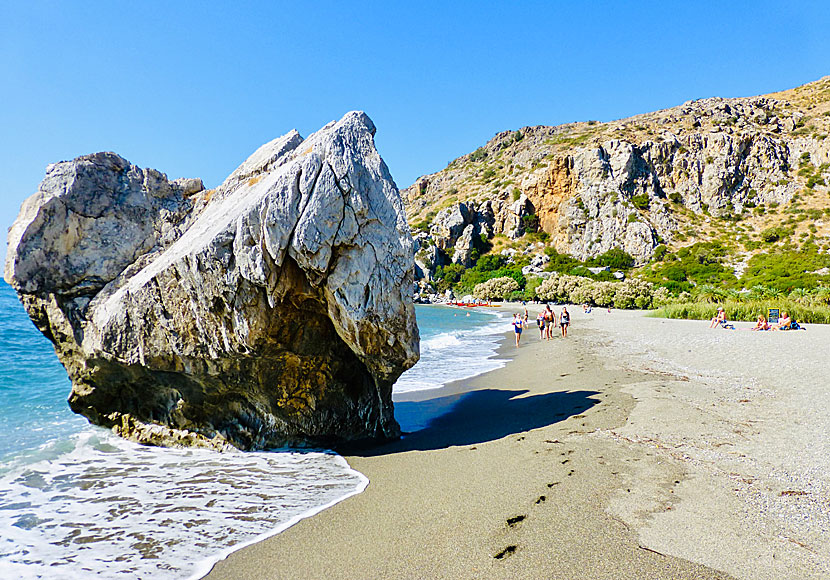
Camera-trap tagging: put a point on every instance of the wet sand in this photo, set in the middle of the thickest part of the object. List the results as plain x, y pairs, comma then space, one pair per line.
559, 465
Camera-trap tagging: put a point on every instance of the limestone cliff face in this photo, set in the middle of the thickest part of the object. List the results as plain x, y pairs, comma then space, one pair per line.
274, 309
637, 182
559, 184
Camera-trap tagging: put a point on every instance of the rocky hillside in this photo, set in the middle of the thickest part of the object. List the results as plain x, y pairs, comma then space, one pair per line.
708, 169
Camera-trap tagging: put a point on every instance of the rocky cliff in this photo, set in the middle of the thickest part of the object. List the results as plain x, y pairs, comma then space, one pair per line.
657, 178
274, 309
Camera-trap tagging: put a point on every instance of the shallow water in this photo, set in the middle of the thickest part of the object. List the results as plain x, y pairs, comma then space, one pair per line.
456, 343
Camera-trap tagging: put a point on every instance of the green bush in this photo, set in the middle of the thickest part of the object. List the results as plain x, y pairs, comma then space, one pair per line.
559, 262
640, 201
478, 154
786, 270
771, 235
530, 222
815, 180
490, 262
700, 263
615, 258
660, 252
448, 275
496, 288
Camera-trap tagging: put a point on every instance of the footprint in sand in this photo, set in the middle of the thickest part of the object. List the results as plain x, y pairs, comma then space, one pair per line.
508, 551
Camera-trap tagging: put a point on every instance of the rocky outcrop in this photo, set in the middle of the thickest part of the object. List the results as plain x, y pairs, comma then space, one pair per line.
272, 310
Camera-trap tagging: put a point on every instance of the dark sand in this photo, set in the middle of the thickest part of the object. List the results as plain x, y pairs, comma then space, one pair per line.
510, 481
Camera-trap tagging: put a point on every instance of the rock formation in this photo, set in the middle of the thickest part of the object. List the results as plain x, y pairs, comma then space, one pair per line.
272, 310
635, 183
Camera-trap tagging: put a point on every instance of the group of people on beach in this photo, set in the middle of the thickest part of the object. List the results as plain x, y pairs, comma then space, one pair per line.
547, 321
784, 322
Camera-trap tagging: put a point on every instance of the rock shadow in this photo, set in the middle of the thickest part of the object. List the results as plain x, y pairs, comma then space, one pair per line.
475, 417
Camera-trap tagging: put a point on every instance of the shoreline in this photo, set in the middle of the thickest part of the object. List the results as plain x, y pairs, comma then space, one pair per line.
204, 567
505, 481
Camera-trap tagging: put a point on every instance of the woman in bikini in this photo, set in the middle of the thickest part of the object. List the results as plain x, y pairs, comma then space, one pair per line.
550, 322
762, 324
518, 325
564, 321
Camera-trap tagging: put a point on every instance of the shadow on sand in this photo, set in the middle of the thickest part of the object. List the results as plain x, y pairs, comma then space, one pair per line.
475, 417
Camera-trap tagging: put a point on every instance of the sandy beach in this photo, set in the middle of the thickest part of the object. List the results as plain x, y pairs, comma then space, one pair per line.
635, 448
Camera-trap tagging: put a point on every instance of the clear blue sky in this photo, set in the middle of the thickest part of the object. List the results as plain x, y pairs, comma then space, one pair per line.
192, 88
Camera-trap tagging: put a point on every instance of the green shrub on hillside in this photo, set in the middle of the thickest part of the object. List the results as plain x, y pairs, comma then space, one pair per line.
490, 262
530, 223
771, 235
640, 201
786, 270
701, 263
614, 258
448, 276
560, 262
489, 266
478, 154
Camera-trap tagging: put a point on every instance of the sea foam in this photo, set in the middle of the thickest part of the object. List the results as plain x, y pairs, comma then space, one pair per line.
98, 506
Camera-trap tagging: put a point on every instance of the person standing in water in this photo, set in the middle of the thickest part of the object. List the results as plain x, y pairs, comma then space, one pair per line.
564, 321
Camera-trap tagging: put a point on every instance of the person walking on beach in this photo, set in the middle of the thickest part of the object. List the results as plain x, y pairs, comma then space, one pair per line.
550, 322
518, 325
564, 321
540, 322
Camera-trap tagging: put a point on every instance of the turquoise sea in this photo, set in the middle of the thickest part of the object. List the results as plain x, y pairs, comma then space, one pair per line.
76, 501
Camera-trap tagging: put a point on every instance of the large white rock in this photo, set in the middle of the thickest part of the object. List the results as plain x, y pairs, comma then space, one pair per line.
274, 309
